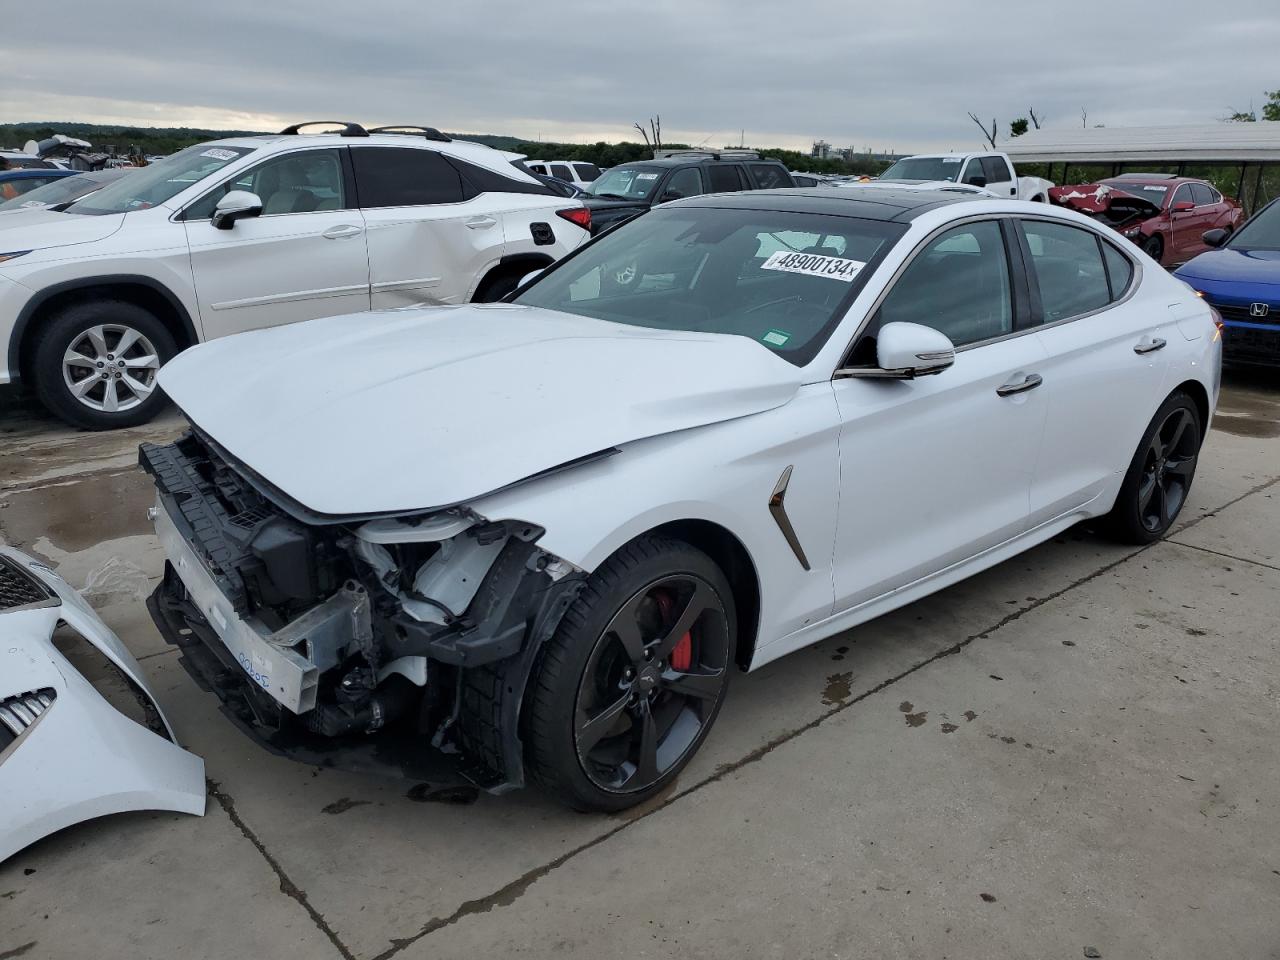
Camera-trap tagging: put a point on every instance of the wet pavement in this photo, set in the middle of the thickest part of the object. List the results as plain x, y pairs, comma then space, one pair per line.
1076, 748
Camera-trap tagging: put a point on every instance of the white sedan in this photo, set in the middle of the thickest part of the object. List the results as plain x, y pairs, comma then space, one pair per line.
541, 534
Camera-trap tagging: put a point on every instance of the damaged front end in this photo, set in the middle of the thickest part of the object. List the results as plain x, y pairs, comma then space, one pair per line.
1122, 211
387, 644
72, 750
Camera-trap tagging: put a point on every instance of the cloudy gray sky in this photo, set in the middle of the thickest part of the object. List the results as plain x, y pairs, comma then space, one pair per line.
882, 74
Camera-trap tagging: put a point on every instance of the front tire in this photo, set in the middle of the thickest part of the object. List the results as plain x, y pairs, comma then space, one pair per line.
627, 689
95, 364
1153, 247
1159, 478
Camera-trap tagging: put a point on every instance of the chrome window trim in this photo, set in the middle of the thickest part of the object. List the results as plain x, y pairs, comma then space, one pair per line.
176, 216
851, 373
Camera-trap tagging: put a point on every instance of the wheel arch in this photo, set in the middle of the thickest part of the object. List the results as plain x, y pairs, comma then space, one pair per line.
513, 263
1200, 396
144, 291
731, 556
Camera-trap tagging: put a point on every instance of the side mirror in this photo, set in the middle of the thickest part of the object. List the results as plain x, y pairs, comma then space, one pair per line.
977, 180
1215, 238
235, 205
909, 350
671, 195
1182, 206
529, 278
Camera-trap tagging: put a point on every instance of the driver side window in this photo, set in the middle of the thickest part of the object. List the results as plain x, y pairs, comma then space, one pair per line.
292, 183
958, 284
683, 183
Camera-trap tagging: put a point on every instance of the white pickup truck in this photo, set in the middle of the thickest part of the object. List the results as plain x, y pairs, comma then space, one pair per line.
992, 172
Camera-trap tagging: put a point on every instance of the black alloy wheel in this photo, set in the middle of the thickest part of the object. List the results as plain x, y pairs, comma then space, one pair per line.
1159, 477
1167, 470
627, 688
652, 683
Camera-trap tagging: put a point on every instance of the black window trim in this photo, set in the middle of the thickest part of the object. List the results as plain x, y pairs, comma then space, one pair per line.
1017, 282
1038, 312
469, 191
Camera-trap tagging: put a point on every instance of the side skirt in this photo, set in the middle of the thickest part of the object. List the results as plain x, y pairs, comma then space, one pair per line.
917, 589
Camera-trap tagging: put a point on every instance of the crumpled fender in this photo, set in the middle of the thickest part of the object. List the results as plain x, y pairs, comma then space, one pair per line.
80, 758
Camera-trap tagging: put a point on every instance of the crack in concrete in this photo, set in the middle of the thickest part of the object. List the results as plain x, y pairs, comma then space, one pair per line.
1225, 556
509, 893
66, 480
287, 886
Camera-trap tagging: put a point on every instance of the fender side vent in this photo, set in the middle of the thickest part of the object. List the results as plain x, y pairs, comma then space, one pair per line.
18, 713
17, 587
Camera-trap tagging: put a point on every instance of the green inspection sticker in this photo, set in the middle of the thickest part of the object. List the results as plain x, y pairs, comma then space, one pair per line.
776, 338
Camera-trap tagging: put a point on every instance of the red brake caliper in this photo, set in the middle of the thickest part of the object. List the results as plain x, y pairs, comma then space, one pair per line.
682, 653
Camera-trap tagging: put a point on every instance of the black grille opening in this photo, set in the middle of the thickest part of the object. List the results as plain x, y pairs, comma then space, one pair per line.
17, 587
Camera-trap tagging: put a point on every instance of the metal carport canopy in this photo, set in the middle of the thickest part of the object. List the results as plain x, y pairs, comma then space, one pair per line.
1209, 142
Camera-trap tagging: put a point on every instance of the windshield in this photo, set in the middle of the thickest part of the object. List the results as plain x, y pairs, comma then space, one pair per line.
1155, 192
925, 168
626, 183
781, 279
1261, 231
60, 191
161, 181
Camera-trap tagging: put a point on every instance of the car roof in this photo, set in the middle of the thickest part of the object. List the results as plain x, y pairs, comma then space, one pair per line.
887, 204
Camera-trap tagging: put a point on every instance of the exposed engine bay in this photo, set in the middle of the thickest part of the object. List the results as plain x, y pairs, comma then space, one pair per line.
1106, 204
375, 643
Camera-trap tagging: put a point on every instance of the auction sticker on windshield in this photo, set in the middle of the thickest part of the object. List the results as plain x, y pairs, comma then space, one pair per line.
217, 153
814, 265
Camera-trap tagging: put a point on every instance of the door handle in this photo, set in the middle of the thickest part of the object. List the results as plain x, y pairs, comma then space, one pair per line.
1155, 344
480, 223
342, 231
1029, 382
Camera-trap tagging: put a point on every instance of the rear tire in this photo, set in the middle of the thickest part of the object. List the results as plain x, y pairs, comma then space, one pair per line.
84, 377
623, 695
1158, 481
496, 286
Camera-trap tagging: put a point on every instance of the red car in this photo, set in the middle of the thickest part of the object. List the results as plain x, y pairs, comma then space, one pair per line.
1165, 215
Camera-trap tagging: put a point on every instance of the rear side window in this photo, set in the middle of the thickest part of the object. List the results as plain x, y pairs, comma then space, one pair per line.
769, 176
1067, 265
537, 168
723, 177
404, 177
1202, 195
587, 172
1119, 270
16, 188
562, 171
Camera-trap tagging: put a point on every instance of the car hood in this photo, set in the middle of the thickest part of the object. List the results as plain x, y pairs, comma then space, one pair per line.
410, 410
41, 229
1097, 199
1234, 265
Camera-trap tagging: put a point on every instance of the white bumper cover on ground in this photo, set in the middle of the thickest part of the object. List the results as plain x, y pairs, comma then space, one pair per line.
79, 758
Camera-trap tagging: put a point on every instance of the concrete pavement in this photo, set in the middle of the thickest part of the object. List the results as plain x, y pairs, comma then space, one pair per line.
1075, 749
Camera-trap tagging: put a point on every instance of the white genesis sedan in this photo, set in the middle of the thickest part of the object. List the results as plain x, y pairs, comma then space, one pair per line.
536, 537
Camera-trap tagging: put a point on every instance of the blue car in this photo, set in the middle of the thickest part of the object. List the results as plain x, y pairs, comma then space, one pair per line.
1241, 279
14, 183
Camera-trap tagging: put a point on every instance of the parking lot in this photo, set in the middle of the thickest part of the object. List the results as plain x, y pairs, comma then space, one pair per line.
1076, 749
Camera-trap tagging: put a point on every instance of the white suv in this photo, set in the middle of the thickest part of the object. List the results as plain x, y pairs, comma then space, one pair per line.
577, 172
253, 232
